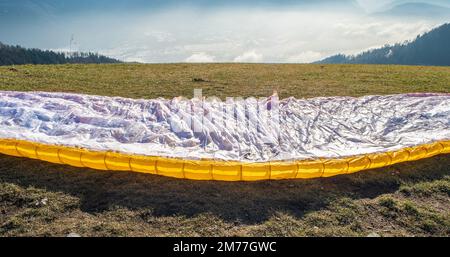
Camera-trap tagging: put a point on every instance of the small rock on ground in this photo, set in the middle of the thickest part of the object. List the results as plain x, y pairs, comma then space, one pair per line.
73, 235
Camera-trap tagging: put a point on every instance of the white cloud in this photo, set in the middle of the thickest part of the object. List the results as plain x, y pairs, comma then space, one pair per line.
235, 35
200, 57
160, 36
250, 56
305, 57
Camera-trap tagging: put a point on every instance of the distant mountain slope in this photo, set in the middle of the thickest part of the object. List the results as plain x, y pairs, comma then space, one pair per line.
10, 55
431, 48
445, 3
417, 9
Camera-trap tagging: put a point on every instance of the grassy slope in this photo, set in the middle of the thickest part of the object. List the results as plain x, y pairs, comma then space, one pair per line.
38, 198
222, 80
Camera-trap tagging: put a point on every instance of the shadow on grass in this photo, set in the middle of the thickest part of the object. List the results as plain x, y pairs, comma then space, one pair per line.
246, 202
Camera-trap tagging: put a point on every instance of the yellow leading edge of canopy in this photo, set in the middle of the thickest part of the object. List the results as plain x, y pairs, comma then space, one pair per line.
216, 169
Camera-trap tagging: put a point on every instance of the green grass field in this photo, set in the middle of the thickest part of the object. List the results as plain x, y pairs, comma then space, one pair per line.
43, 199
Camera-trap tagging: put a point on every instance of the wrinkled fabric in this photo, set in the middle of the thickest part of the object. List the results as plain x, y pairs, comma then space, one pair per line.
239, 129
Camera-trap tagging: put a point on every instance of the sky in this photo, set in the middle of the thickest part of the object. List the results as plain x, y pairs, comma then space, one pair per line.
270, 31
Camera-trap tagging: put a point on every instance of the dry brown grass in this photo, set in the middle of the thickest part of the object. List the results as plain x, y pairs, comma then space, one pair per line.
223, 80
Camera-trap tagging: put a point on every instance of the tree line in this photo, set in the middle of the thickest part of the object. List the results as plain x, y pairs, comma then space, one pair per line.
14, 55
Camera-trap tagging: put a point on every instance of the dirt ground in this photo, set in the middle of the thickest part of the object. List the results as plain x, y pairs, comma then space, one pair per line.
43, 199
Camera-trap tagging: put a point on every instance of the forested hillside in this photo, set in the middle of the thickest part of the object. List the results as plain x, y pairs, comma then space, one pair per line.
10, 55
431, 48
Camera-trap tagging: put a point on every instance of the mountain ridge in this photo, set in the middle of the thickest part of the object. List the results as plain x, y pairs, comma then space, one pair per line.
429, 49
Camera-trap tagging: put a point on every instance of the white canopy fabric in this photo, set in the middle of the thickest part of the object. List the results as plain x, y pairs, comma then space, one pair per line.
246, 130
